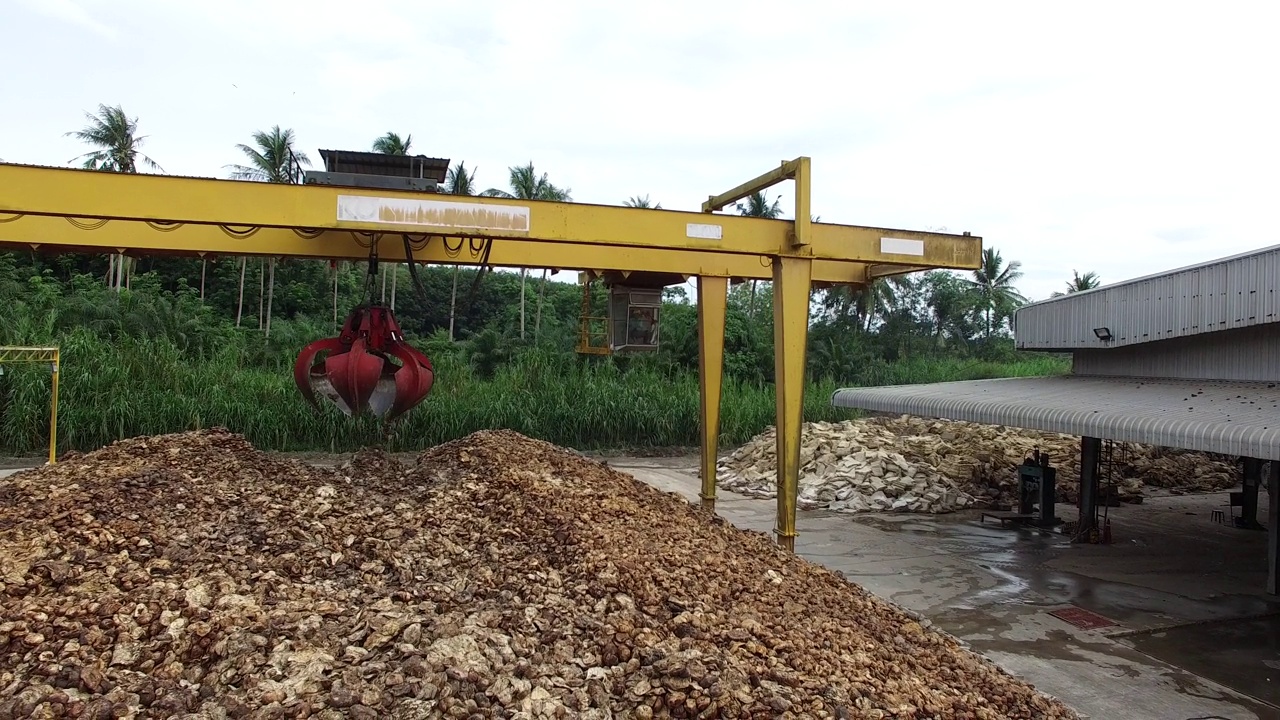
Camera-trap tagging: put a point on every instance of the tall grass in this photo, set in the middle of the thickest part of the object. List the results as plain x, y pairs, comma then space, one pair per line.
128, 386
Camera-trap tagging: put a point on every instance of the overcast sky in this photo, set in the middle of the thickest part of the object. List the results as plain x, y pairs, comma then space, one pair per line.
1122, 138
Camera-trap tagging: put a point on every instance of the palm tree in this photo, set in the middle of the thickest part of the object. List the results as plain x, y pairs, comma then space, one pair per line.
640, 202
1080, 283
115, 137
876, 298
114, 134
392, 144
527, 185
274, 159
758, 205
993, 284
458, 182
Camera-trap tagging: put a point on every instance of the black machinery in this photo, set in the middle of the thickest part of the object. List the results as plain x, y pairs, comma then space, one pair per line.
1037, 489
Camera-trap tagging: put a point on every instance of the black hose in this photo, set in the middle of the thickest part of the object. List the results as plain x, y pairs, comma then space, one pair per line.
413, 271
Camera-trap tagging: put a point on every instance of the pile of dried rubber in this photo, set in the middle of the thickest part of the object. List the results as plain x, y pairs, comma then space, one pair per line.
500, 577
911, 464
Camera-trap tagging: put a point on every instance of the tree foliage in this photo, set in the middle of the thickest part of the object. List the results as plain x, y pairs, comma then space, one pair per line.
1080, 283
393, 144
271, 158
114, 135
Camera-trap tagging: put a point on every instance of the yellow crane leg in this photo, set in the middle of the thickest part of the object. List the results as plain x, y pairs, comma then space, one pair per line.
713, 295
791, 284
53, 412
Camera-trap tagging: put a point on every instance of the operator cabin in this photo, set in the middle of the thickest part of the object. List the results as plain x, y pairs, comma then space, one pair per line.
1189, 358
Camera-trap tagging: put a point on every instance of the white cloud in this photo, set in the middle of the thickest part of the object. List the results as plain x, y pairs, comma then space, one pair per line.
1119, 138
73, 13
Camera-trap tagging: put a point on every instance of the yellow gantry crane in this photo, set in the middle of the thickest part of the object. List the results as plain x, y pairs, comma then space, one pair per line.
340, 217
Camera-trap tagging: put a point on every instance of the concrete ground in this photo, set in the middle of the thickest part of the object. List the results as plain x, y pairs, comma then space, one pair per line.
1195, 635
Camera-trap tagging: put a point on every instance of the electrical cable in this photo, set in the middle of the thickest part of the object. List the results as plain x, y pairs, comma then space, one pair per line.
372, 275
413, 268
484, 267
86, 225
239, 233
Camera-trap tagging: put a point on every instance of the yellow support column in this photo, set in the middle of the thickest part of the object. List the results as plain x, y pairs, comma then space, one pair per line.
53, 413
713, 294
791, 285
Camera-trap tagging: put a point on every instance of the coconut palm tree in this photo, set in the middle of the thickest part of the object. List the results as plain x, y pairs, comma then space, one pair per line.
872, 300
640, 202
114, 135
459, 181
527, 185
758, 205
993, 284
392, 144
274, 159
1080, 283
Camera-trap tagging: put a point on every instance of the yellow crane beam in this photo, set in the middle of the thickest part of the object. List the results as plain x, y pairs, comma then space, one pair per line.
82, 210
66, 234
94, 195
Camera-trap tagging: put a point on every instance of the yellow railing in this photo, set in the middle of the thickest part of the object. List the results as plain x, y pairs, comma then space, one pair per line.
27, 355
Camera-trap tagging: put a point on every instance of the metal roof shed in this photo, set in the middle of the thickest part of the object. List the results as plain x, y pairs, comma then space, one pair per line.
1232, 418
1188, 358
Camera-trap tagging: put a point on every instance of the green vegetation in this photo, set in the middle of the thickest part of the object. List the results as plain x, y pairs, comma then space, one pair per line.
153, 345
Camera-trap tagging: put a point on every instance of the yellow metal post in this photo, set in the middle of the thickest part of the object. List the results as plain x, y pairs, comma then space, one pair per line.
713, 295
52, 355
804, 226
791, 284
53, 413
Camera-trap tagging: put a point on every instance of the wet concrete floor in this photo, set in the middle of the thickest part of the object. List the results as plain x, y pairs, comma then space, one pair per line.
1194, 634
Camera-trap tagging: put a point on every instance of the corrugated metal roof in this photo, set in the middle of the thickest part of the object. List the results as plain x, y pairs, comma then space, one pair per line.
372, 163
1234, 418
1242, 355
1232, 292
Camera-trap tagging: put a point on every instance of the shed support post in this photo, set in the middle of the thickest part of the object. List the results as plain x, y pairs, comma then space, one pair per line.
1250, 485
713, 293
1273, 530
792, 278
1090, 459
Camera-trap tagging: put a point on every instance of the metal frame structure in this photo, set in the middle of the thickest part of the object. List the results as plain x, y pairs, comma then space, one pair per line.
66, 210
28, 355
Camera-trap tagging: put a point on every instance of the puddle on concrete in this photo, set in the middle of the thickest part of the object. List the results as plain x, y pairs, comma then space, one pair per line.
1018, 559
1243, 655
